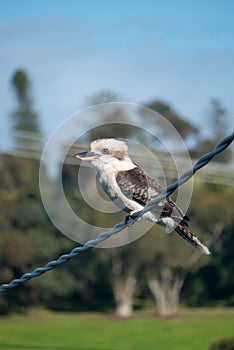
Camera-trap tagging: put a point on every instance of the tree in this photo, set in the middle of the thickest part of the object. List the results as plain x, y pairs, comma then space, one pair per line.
119, 266
170, 264
24, 216
174, 266
115, 122
25, 119
103, 96
122, 266
184, 127
213, 281
223, 344
217, 124
218, 119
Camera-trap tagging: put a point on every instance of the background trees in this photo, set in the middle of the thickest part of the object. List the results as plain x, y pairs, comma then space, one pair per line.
25, 120
156, 267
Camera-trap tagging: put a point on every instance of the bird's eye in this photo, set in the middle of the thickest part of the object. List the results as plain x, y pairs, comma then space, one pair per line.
105, 151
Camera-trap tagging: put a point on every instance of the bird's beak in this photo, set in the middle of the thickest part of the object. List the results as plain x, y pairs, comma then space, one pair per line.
87, 156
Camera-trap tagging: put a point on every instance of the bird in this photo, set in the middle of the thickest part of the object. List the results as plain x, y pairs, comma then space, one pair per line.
131, 188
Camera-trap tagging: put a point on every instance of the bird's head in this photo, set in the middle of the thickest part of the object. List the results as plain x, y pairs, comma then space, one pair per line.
104, 151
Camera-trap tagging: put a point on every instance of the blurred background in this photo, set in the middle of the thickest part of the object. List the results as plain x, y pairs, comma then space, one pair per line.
58, 57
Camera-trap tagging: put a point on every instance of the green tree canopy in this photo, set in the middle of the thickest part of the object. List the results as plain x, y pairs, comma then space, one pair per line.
25, 119
184, 127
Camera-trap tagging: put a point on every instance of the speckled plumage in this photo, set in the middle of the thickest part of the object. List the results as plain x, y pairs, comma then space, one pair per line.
131, 188
140, 187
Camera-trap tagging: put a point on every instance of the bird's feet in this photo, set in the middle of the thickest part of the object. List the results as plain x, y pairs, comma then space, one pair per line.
130, 216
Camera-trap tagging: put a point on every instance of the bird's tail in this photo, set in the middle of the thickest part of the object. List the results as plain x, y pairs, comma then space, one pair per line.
191, 239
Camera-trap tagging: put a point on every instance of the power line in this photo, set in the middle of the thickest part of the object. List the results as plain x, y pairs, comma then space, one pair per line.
204, 160
217, 172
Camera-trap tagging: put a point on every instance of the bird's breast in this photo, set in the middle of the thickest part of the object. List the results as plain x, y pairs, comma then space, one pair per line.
108, 184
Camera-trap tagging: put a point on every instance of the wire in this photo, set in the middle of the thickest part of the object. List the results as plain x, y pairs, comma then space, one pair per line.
205, 159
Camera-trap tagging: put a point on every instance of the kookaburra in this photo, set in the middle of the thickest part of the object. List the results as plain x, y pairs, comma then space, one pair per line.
131, 187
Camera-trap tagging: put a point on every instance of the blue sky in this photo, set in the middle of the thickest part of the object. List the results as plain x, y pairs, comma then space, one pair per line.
179, 51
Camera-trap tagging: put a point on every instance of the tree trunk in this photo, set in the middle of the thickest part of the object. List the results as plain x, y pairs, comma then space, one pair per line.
166, 287
123, 290
123, 287
166, 291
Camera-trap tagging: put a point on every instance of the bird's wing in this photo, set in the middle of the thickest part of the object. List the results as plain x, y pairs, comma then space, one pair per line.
137, 185
140, 187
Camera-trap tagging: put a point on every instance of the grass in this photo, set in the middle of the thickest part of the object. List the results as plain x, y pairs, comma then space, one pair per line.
192, 329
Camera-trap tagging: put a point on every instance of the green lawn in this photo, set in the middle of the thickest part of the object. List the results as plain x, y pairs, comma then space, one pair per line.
191, 330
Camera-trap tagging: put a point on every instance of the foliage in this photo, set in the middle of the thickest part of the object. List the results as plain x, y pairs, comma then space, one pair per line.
28, 239
223, 344
217, 124
25, 119
209, 283
103, 96
184, 128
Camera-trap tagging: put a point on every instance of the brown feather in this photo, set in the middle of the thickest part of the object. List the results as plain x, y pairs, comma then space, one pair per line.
140, 187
